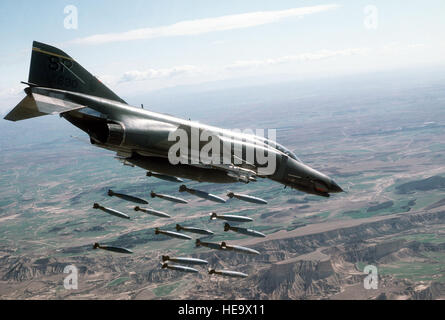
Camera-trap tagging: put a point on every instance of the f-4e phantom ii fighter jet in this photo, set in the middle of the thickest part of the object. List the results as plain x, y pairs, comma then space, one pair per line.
57, 84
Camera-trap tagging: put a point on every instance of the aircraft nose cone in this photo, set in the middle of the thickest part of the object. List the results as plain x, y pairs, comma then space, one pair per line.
335, 187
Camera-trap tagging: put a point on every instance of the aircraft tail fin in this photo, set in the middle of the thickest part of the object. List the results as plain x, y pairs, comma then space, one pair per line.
53, 68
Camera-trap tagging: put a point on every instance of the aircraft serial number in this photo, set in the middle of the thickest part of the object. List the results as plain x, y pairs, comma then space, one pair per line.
67, 82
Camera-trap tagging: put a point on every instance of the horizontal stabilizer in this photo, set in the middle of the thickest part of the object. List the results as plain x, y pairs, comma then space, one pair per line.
36, 105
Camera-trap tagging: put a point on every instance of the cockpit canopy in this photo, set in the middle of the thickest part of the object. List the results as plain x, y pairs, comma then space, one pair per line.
287, 152
279, 147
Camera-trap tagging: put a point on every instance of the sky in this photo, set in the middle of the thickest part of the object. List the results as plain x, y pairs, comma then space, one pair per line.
141, 46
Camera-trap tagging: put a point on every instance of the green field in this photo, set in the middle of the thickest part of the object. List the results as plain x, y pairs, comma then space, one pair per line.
432, 269
167, 289
118, 281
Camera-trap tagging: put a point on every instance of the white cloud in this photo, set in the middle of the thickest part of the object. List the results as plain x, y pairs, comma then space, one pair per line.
200, 26
136, 75
398, 48
311, 56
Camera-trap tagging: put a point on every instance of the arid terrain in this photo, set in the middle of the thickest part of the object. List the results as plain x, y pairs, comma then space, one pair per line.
382, 141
